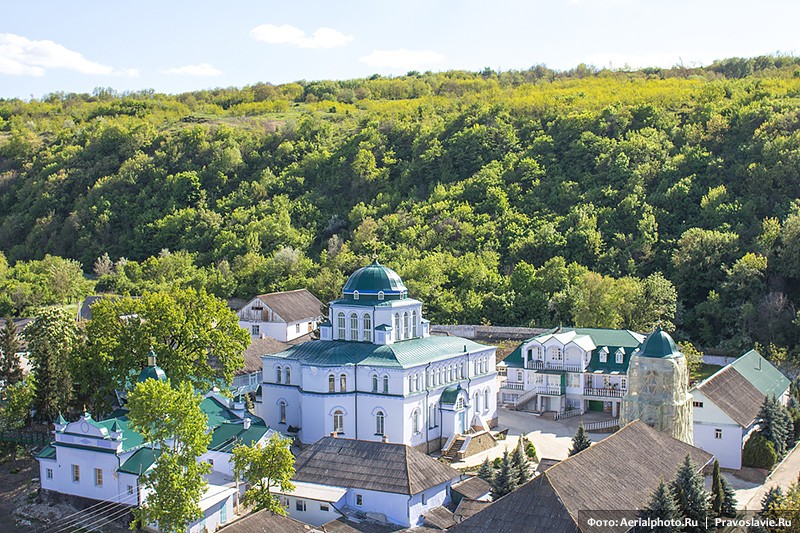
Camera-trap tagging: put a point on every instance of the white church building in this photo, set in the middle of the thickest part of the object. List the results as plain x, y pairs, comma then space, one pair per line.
377, 374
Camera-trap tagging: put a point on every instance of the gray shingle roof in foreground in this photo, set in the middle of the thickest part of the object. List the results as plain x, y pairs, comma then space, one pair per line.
368, 465
618, 473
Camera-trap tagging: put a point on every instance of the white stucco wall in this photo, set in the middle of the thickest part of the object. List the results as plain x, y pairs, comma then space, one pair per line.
313, 514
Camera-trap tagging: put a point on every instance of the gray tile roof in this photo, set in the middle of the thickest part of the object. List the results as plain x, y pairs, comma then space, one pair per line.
439, 517
293, 306
267, 522
472, 488
369, 465
731, 392
618, 473
258, 347
466, 508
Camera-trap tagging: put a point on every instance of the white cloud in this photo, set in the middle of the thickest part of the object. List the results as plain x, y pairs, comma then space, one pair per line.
23, 57
203, 69
286, 34
402, 59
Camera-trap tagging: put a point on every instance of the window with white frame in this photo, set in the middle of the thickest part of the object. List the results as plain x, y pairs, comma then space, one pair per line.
356, 295
98, 477
417, 382
623, 383
379, 423
620, 355
486, 399
414, 324
699, 405
410, 384
558, 354
76, 473
603, 356
519, 376
397, 331
367, 328
342, 383
331, 383
300, 505
380, 295
255, 330
476, 401
406, 326
338, 421
415, 422
374, 383
353, 327
606, 382
277, 374
282, 412
341, 326
386, 384
49, 473
717, 433
324, 508
288, 376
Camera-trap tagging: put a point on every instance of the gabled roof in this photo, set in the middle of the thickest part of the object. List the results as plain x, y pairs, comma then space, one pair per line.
140, 461
267, 522
467, 507
439, 517
761, 374
472, 488
229, 434
378, 466
258, 347
293, 306
611, 365
618, 473
731, 392
403, 354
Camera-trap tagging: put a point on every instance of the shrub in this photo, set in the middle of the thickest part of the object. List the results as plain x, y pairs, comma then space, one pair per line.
759, 453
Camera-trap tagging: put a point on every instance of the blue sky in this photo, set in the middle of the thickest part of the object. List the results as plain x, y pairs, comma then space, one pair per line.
48, 46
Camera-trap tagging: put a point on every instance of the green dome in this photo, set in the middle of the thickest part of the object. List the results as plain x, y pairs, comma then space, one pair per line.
659, 344
375, 278
152, 370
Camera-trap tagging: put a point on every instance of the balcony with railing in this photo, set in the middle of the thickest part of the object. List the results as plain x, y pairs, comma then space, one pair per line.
537, 364
550, 390
603, 393
511, 385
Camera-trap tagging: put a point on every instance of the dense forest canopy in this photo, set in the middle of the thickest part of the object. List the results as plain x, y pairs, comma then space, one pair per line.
588, 197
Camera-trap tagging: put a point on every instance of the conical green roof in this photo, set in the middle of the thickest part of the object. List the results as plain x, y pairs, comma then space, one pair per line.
375, 278
659, 344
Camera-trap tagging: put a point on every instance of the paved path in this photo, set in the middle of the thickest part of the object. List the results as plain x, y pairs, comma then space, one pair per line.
784, 475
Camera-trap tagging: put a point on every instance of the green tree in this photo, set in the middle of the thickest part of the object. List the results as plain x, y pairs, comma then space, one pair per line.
519, 464
758, 452
265, 467
505, 480
15, 410
728, 507
196, 336
662, 507
717, 494
580, 441
52, 340
776, 424
10, 365
486, 472
690, 496
171, 420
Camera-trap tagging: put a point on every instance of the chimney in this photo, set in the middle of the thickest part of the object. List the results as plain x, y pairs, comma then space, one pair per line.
246, 423
385, 439
333, 434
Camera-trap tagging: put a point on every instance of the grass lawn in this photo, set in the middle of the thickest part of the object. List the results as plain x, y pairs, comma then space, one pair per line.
703, 372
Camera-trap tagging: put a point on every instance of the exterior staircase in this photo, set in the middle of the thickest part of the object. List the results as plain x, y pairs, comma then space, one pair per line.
452, 452
525, 399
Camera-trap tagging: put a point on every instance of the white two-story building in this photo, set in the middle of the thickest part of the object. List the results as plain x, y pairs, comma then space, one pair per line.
570, 370
377, 372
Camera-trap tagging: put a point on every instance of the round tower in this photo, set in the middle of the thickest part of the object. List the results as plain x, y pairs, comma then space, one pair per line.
658, 388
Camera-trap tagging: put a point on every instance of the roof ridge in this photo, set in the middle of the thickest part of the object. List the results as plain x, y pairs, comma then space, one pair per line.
560, 499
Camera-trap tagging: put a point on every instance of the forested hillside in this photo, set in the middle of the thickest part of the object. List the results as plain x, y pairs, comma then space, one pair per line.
616, 199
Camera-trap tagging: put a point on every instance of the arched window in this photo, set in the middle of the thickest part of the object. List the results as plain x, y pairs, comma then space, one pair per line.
414, 324
519, 376
417, 384
379, 423
450, 373
620, 354
278, 375
380, 295
353, 327
463, 374
355, 295
282, 412
288, 376
397, 331
476, 401
331, 383
406, 326
367, 328
340, 320
386, 384
342, 383
415, 422
410, 383
338, 421
486, 400
432, 416
374, 383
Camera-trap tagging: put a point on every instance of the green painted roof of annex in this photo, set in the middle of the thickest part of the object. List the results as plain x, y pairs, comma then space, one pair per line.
375, 278
761, 374
659, 344
403, 354
450, 394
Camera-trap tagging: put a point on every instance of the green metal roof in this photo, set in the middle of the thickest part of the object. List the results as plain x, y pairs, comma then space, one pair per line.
140, 461
373, 278
761, 374
48, 452
659, 344
130, 438
600, 337
154, 372
375, 303
611, 364
60, 420
226, 436
450, 394
217, 413
403, 354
